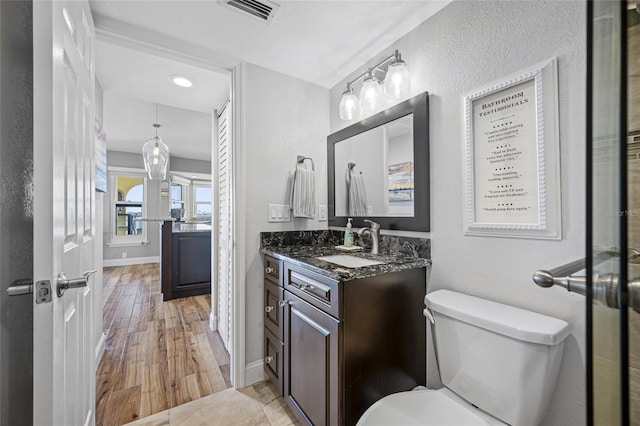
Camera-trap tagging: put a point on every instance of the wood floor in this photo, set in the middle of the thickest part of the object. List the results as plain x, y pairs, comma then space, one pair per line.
158, 354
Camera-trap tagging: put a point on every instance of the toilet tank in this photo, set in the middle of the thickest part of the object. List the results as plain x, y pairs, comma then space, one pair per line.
502, 359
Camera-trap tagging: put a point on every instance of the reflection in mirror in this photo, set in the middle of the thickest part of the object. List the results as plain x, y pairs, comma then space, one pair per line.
377, 180
378, 169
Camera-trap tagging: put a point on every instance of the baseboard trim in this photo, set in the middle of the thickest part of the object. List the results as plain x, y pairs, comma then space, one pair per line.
100, 347
213, 322
254, 372
131, 261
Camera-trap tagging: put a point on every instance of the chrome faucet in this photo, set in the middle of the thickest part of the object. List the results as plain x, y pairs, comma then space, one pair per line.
374, 231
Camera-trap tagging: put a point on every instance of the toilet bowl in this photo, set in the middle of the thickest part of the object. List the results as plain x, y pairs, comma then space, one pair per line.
498, 364
425, 407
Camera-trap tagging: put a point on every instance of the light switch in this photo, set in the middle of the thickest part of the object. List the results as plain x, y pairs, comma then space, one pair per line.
279, 213
322, 213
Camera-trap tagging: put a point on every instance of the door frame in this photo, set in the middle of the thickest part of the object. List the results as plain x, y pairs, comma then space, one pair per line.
623, 277
115, 32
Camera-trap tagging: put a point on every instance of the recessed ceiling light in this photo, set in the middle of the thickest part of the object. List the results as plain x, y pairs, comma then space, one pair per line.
194, 176
180, 80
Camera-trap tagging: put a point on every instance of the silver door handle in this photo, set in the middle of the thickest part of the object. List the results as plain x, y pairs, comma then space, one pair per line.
22, 286
25, 286
63, 283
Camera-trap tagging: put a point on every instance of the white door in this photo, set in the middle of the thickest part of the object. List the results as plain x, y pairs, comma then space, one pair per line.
225, 226
64, 210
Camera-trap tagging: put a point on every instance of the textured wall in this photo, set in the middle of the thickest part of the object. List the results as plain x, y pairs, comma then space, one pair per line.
464, 46
284, 118
16, 211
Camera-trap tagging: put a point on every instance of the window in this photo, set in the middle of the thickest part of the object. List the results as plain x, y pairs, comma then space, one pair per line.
202, 200
177, 196
128, 207
193, 196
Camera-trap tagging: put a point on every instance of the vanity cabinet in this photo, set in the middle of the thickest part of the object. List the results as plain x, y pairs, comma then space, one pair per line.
273, 321
345, 344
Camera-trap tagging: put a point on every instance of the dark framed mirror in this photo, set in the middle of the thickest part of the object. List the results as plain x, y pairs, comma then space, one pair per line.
378, 169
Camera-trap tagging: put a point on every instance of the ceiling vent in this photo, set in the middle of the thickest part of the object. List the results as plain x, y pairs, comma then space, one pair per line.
262, 10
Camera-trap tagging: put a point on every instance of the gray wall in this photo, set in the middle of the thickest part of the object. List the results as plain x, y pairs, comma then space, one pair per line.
283, 117
16, 210
135, 161
464, 46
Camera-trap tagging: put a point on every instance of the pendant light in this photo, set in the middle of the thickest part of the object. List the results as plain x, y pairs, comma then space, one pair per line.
397, 85
156, 155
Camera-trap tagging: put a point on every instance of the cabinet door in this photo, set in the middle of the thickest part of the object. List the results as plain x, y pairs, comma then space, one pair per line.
311, 370
273, 294
273, 361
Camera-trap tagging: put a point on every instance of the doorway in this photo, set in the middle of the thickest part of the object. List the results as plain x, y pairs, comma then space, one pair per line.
212, 317
613, 213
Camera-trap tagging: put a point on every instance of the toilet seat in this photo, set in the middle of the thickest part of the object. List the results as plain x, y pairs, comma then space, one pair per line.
427, 407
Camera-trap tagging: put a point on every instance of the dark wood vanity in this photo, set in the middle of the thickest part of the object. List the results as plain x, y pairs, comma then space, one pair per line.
336, 342
185, 260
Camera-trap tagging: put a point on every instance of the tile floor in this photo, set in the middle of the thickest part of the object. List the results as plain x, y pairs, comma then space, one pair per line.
255, 405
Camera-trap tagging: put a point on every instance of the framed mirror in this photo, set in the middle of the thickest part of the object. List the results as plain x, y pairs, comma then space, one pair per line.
378, 169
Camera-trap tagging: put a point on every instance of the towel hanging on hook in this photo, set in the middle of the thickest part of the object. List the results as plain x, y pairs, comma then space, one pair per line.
303, 190
356, 194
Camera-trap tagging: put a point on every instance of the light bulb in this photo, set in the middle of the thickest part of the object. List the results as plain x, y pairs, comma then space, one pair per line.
369, 95
397, 83
349, 105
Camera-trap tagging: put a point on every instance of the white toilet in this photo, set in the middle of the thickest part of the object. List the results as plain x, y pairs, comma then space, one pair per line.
499, 365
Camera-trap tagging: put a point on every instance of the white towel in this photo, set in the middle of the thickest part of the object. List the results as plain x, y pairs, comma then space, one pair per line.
303, 199
357, 196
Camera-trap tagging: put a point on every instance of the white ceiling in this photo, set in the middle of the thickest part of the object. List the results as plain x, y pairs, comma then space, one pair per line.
319, 41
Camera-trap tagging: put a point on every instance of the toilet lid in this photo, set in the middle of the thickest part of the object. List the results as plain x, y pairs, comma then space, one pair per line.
439, 407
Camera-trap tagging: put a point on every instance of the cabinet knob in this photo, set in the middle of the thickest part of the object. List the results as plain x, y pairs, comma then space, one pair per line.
283, 303
268, 359
269, 270
268, 308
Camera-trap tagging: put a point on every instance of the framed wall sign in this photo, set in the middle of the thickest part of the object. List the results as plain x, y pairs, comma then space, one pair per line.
512, 162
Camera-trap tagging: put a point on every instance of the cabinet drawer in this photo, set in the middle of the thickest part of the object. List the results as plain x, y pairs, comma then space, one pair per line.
318, 290
273, 296
273, 359
273, 269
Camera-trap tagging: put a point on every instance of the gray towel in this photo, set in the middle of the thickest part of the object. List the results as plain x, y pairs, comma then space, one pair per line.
357, 196
303, 199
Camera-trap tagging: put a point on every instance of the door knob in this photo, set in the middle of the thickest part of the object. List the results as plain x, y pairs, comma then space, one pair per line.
65, 283
22, 286
25, 286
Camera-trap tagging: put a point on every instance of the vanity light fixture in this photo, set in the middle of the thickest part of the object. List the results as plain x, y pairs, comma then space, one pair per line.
156, 155
397, 85
180, 80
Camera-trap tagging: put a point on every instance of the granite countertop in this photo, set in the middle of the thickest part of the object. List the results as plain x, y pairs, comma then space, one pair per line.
305, 255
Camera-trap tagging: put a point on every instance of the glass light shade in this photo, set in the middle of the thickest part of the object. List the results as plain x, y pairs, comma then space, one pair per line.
156, 158
349, 105
369, 95
397, 83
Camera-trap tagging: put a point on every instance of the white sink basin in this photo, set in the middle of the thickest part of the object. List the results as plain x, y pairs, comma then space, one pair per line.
349, 261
